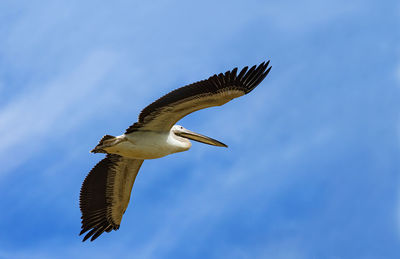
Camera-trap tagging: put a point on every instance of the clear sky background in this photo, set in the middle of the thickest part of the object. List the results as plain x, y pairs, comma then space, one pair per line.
312, 169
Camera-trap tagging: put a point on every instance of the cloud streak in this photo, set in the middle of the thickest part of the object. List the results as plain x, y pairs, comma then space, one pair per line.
43, 114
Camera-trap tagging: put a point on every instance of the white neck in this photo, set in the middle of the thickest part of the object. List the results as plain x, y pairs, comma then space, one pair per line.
182, 144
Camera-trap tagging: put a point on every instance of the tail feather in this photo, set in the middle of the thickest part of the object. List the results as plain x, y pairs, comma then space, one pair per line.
102, 142
104, 138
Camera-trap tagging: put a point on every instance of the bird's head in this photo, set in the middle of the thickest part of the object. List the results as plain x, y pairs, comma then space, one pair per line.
185, 133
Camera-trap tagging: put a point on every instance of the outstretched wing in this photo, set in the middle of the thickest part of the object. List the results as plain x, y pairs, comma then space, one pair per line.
217, 90
105, 194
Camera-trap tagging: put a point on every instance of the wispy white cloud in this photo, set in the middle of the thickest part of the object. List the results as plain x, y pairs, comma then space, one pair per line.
290, 248
397, 74
1, 88
306, 16
42, 114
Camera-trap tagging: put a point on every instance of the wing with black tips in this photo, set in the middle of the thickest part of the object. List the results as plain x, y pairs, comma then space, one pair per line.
217, 90
105, 194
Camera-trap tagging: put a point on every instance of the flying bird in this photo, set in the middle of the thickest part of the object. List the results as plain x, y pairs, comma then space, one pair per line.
106, 190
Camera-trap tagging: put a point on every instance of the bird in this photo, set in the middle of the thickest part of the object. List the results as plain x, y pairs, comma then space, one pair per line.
106, 190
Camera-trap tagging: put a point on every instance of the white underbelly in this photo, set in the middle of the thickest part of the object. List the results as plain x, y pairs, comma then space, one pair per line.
146, 145
127, 149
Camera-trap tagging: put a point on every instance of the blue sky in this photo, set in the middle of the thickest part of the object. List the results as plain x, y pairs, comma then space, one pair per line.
312, 168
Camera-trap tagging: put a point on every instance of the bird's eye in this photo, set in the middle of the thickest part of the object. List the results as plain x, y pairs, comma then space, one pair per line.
181, 127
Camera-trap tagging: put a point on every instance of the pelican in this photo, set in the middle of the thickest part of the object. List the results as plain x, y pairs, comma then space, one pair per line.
106, 190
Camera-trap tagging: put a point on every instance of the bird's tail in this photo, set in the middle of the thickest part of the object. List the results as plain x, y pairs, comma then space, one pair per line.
105, 141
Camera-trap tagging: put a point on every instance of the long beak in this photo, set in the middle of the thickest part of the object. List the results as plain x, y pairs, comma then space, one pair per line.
200, 138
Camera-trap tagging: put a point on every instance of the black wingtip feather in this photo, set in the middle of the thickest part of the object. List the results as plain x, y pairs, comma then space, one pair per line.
242, 72
227, 77
249, 75
252, 82
98, 232
233, 74
88, 235
221, 79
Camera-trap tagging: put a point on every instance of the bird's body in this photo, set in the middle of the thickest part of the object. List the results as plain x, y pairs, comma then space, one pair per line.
106, 190
145, 144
